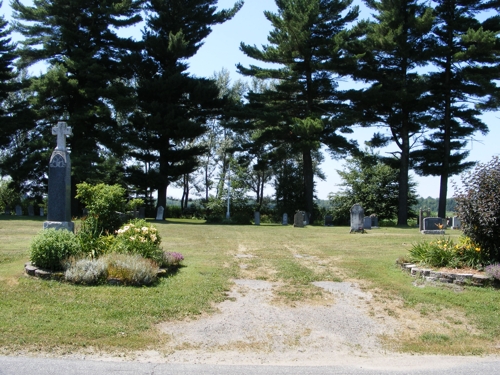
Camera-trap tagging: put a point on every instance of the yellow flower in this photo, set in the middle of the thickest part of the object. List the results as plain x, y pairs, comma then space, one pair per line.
478, 249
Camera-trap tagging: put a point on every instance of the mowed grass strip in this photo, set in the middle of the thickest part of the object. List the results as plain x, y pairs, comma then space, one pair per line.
37, 314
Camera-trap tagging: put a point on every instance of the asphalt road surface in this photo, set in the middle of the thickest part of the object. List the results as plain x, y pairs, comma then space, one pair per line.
415, 365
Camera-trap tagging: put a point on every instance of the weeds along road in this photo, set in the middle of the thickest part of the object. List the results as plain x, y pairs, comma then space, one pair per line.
429, 365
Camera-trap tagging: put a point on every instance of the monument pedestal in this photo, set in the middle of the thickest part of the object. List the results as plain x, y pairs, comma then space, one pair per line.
68, 225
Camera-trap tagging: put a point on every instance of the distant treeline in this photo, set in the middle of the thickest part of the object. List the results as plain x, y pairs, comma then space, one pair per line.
432, 204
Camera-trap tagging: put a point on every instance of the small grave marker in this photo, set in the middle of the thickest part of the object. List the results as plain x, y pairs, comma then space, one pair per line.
367, 222
299, 219
285, 219
256, 217
159, 213
328, 221
19, 210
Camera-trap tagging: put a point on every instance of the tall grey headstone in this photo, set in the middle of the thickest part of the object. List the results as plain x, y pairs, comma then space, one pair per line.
367, 222
59, 197
284, 221
357, 218
299, 219
19, 210
159, 213
31, 210
142, 212
256, 217
374, 221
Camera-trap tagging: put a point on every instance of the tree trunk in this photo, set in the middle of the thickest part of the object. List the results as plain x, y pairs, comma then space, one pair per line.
403, 178
308, 182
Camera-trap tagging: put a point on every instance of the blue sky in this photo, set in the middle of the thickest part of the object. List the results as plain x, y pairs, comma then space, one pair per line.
221, 50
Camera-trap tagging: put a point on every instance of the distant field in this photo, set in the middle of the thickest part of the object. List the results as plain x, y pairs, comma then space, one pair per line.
41, 315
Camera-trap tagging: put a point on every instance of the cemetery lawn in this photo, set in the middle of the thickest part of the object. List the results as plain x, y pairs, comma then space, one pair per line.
56, 317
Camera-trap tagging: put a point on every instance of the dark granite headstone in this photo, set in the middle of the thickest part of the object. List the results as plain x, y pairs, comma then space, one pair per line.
256, 217
328, 221
367, 222
433, 223
59, 197
31, 210
299, 219
19, 210
374, 221
357, 218
285, 219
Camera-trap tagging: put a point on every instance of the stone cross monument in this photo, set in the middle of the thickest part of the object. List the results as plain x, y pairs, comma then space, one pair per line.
59, 198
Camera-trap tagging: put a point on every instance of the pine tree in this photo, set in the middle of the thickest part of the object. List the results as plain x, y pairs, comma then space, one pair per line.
84, 84
396, 45
466, 54
172, 106
304, 108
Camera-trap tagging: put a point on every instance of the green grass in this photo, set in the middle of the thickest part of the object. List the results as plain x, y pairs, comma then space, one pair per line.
41, 315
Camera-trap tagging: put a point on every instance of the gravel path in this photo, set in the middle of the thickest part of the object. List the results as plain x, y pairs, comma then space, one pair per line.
249, 329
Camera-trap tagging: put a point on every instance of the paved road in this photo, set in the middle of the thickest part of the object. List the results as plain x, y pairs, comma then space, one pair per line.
427, 366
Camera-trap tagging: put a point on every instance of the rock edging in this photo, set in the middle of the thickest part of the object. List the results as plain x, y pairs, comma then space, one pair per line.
456, 278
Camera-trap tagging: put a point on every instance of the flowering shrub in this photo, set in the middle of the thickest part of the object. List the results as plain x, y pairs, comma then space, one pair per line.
171, 259
139, 237
445, 253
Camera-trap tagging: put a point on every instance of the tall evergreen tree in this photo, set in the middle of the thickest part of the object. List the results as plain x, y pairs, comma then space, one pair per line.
466, 55
173, 106
395, 46
84, 81
304, 109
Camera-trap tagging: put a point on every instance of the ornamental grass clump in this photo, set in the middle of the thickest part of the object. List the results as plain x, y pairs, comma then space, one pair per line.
139, 237
131, 269
50, 247
86, 271
493, 270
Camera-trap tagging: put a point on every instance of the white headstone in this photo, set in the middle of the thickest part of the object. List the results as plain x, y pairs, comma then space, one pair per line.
357, 218
159, 213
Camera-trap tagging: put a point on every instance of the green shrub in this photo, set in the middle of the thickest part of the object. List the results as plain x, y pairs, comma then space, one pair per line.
86, 271
50, 247
131, 269
139, 237
478, 206
104, 204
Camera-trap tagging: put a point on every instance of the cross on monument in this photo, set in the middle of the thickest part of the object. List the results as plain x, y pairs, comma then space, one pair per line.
61, 130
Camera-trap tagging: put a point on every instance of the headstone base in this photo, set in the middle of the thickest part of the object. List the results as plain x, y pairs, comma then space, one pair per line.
432, 232
57, 225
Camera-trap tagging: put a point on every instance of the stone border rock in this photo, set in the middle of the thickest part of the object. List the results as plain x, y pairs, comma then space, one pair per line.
456, 278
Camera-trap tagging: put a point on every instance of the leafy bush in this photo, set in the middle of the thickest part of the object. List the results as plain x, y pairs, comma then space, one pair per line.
131, 269
445, 253
86, 271
171, 259
493, 270
478, 207
104, 204
139, 237
50, 247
